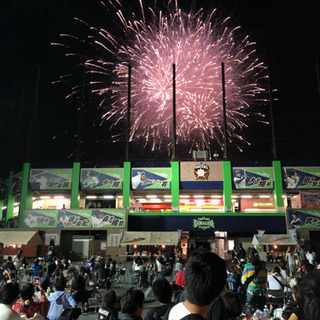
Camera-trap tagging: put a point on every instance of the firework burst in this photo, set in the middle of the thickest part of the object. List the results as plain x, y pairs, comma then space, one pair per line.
151, 42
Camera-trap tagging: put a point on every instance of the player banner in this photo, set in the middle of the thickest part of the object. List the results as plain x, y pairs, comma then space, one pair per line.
151, 178
252, 178
40, 218
101, 178
74, 218
301, 177
4, 186
50, 179
107, 218
16, 183
303, 219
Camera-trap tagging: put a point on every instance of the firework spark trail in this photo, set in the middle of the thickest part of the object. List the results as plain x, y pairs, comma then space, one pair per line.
197, 45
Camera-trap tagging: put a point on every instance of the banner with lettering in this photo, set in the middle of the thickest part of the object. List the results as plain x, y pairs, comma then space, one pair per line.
106, 218
151, 178
301, 177
102, 179
40, 218
50, 179
252, 178
75, 218
303, 219
4, 186
16, 183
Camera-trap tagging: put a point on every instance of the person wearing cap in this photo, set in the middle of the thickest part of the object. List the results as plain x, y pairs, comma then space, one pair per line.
136, 180
239, 180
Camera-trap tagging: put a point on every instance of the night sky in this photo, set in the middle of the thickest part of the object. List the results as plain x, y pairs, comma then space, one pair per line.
41, 126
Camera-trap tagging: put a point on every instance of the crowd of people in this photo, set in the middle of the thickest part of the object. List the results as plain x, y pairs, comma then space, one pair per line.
204, 287
48, 287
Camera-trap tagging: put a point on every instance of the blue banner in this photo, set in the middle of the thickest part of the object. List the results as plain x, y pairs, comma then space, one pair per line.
301, 177
309, 219
252, 178
151, 178
50, 179
101, 179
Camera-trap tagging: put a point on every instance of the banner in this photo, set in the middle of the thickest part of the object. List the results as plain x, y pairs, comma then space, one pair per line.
4, 186
16, 183
151, 178
293, 234
74, 218
50, 179
252, 178
310, 200
105, 218
101, 178
260, 234
205, 175
303, 219
301, 177
40, 219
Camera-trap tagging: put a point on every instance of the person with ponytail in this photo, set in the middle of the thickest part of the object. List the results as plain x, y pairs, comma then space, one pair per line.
26, 305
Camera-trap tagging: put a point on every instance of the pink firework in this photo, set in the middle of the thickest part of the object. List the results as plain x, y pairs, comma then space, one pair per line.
196, 44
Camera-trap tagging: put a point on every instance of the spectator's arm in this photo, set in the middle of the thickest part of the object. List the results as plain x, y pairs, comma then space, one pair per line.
71, 301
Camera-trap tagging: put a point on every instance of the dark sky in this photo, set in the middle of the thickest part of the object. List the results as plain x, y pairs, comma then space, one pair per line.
287, 39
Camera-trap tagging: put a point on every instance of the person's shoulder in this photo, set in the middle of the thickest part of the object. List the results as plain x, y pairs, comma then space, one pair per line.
193, 316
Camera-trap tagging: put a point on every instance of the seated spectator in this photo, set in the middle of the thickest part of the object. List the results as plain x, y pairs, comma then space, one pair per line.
163, 293
108, 311
234, 278
287, 312
112, 268
90, 281
306, 266
276, 283
308, 297
37, 268
232, 305
9, 294
78, 291
60, 299
9, 265
283, 269
17, 259
47, 279
26, 305
277, 287
291, 306
176, 291
205, 275
215, 312
101, 273
132, 304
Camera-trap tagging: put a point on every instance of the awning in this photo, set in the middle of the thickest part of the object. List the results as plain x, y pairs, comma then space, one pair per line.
20, 237
150, 238
278, 239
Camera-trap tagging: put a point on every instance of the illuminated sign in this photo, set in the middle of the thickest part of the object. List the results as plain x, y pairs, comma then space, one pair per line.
203, 223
